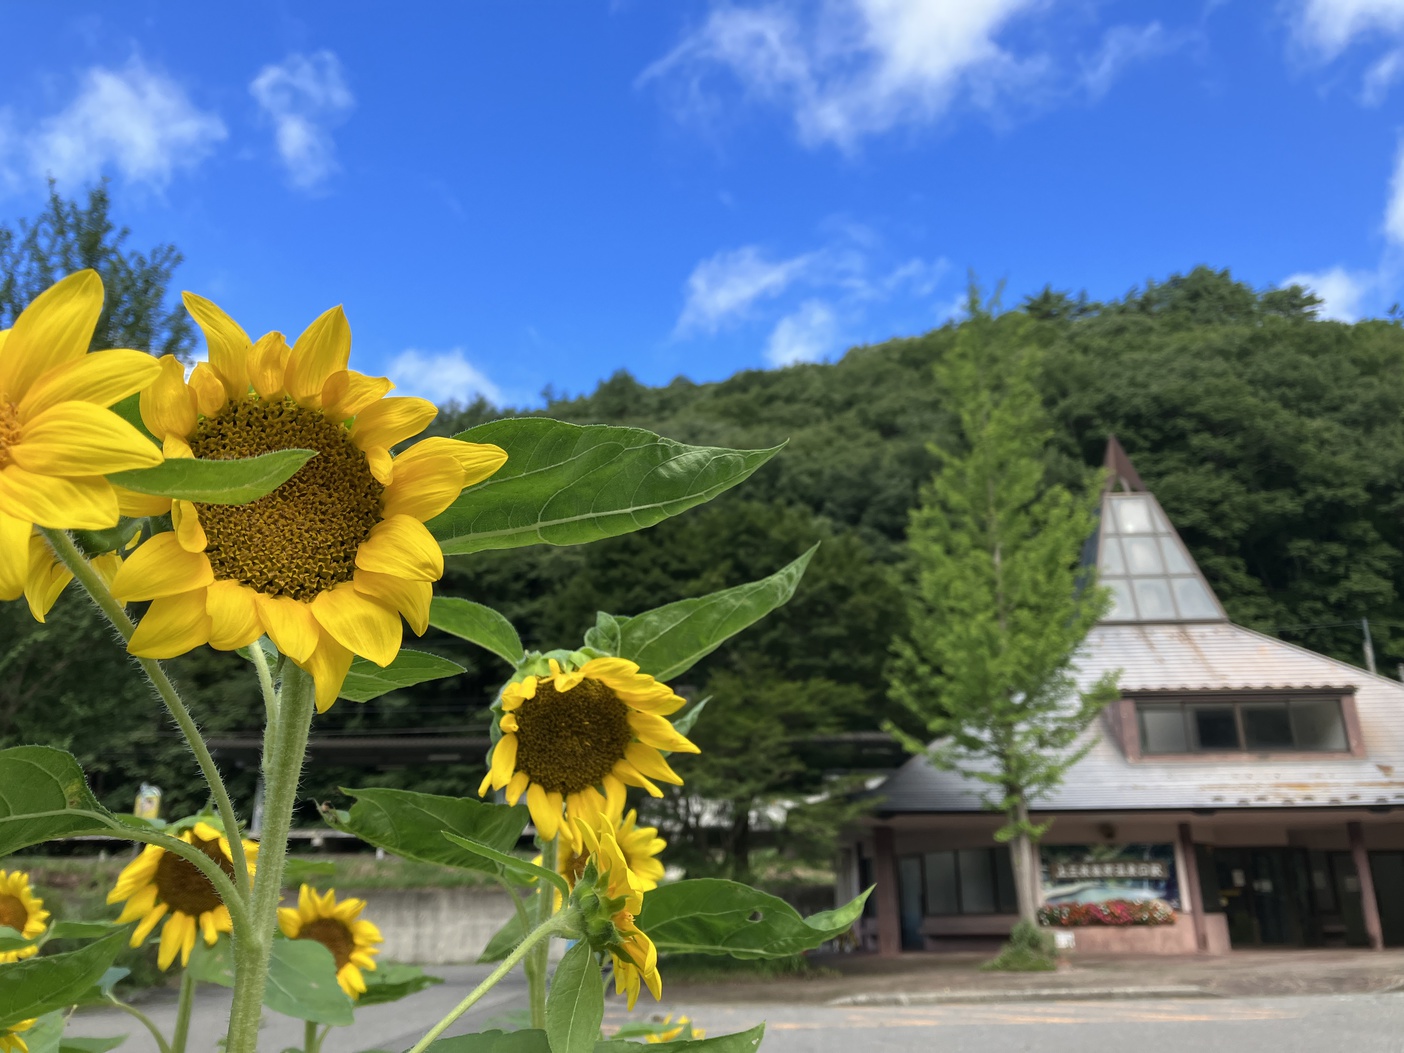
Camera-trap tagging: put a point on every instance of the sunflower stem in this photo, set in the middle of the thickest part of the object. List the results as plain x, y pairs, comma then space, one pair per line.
560, 923
309, 1038
161, 1044
78, 565
535, 966
284, 749
183, 1009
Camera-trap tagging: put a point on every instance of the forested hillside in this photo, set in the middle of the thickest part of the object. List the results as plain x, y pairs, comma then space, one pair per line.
1274, 440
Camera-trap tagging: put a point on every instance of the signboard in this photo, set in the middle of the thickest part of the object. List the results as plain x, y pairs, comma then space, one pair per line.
1098, 873
1099, 869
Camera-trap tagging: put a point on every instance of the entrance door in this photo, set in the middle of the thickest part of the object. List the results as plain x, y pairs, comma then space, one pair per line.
1266, 893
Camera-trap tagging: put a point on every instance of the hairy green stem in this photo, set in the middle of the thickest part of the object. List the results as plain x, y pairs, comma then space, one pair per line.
270, 693
183, 1009
161, 1044
284, 752
537, 936
535, 967
78, 565
310, 1042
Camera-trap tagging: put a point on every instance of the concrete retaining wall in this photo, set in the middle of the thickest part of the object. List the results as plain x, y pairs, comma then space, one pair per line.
435, 926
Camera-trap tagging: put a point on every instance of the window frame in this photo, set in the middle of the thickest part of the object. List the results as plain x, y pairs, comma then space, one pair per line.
992, 851
1124, 720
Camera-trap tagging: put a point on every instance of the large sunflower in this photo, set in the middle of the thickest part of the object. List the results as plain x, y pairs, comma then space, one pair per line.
57, 438
159, 883
327, 563
570, 734
635, 956
339, 928
21, 910
10, 1040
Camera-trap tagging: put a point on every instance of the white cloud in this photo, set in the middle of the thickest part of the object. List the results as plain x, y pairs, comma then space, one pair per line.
1394, 208
856, 67
806, 335
441, 376
133, 119
305, 96
1328, 27
725, 286
1121, 47
1380, 77
1342, 292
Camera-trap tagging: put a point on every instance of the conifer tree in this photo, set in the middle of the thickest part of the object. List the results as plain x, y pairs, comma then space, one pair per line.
1000, 601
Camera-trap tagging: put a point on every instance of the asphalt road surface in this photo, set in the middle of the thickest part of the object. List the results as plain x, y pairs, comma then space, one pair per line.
1296, 1024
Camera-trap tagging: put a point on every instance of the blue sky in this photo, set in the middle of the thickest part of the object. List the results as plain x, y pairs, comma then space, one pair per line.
507, 195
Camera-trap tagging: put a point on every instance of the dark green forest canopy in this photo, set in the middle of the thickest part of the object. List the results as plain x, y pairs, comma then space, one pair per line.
1274, 440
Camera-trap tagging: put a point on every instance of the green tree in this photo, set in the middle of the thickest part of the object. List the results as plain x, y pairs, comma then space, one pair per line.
999, 604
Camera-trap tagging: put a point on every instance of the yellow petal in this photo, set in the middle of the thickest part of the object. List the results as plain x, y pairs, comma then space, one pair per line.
653, 730
539, 804
289, 624
228, 343
14, 556
392, 420
323, 348
137, 505
54, 330
477, 459
402, 546
359, 623
648, 761
381, 464
233, 612
210, 395
102, 378
47, 578
267, 364
172, 626
424, 487
60, 504
347, 392
168, 405
161, 567
516, 787
631, 776
188, 530
171, 938
504, 761
79, 438
148, 923
410, 598
328, 666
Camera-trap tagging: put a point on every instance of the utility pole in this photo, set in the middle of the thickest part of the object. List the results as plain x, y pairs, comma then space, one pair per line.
1369, 645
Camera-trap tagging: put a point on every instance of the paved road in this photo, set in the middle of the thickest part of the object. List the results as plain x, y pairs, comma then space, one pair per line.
1297, 1024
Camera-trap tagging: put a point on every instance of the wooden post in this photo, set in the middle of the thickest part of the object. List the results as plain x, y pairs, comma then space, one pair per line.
1190, 891
889, 904
1368, 903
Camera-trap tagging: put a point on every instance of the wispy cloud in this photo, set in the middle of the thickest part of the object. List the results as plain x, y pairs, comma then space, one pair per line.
441, 377
305, 96
132, 121
806, 335
1122, 47
725, 286
1328, 27
1342, 292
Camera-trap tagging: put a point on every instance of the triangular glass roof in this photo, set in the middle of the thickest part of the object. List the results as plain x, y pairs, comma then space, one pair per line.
1141, 559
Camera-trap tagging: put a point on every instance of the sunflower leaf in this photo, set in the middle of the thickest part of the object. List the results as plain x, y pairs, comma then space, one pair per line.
477, 624
713, 916
233, 482
567, 484
671, 639
13, 940
302, 983
504, 941
392, 981
683, 724
43, 797
529, 1041
519, 868
575, 1006
36, 986
366, 680
739, 1042
412, 824
88, 1045
603, 636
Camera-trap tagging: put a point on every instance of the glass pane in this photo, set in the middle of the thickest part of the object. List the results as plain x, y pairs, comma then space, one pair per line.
1162, 729
1214, 727
1175, 561
1317, 724
977, 887
941, 883
1142, 555
1133, 515
1194, 599
909, 892
1111, 561
1153, 599
1122, 609
1004, 881
1266, 726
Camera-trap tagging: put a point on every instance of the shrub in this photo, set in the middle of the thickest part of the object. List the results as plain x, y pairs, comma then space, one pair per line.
1029, 950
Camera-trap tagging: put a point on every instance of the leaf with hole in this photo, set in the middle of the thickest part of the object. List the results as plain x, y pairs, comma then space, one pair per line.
233, 482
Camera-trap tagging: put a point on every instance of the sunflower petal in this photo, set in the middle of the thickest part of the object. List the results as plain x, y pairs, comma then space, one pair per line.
328, 666
148, 923
14, 556
188, 531
47, 578
359, 623
423, 487
54, 330
504, 761
392, 420
539, 804
171, 938
402, 546
477, 459
650, 762
653, 730
61, 504
102, 378
289, 624
79, 438
233, 612
323, 348
347, 392
172, 626
161, 567
228, 343
410, 598
210, 395
136, 505
168, 404
268, 360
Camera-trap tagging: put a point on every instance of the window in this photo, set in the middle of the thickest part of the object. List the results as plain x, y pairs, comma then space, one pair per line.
1255, 725
968, 881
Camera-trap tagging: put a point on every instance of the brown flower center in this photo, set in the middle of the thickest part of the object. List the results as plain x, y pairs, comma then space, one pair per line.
181, 885
301, 539
331, 934
9, 429
568, 740
12, 912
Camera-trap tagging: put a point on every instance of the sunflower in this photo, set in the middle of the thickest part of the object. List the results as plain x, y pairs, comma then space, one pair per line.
339, 928
157, 883
635, 957
48, 577
10, 1041
21, 910
327, 563
675, 1031
639, 845
57, 438
568, 734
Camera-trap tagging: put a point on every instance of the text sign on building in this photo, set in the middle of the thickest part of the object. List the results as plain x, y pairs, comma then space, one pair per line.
1101, 870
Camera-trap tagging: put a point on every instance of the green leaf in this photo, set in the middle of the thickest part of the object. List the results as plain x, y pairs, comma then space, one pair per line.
233, 482
391, 981
519, 868
366, 680
36, 986
567, 484
604, 634
307, 872
740, 1042
13, 940
43, 797
525, 1041
575, 1005
106, 982
712, 916
79, 930
89, 1045
212, 965
505, 940
669, 640
477, 624
47, 1033
302, 983
683, 724
412, 825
